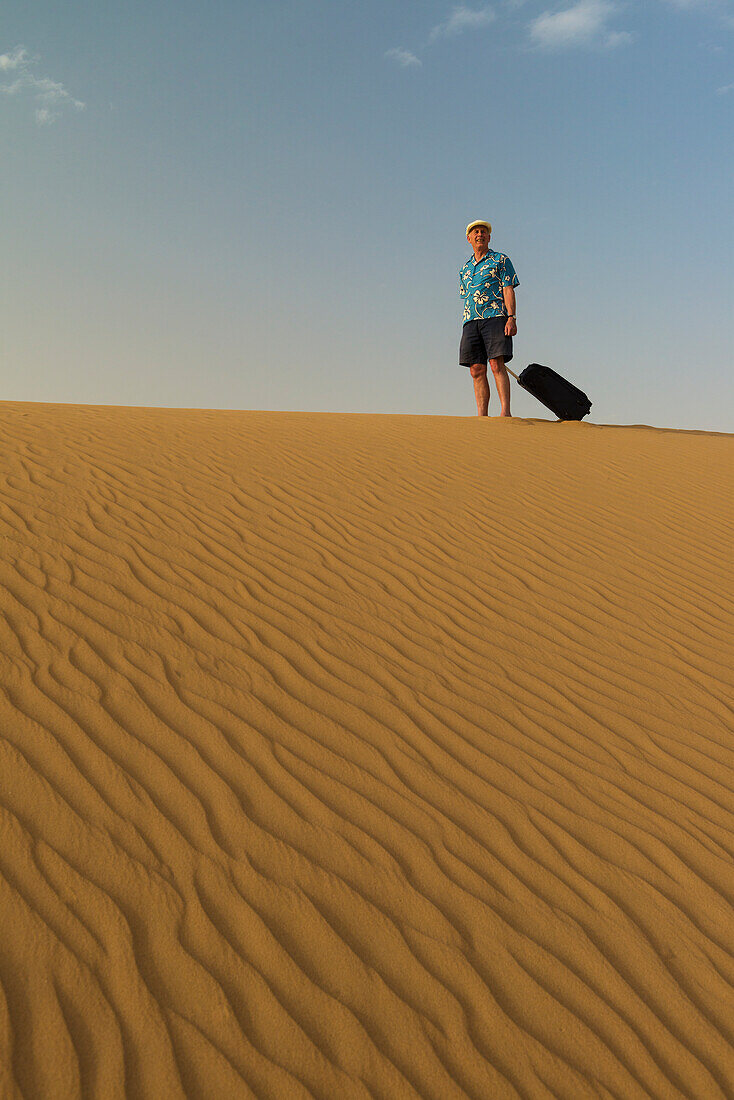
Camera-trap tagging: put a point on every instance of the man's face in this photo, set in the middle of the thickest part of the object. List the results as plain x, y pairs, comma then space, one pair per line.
478, 237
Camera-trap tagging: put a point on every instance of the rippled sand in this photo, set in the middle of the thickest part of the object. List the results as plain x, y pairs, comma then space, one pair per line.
364, 756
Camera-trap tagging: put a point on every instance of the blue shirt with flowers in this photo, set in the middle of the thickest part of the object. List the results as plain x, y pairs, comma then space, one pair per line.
481, 283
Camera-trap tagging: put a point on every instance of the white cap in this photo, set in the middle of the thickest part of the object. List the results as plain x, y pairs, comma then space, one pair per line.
473, 225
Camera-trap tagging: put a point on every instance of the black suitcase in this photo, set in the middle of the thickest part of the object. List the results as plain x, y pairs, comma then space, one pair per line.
564, 399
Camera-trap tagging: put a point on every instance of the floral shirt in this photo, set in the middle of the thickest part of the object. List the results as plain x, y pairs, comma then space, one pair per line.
481, 283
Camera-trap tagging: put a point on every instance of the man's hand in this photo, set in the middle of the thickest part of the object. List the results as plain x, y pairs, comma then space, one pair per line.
511, 327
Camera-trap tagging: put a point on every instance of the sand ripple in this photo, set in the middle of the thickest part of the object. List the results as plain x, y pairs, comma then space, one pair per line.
364, 757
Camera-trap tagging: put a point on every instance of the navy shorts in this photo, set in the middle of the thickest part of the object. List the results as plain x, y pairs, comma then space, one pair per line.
484, 339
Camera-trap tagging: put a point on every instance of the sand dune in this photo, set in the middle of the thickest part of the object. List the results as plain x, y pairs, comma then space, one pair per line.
364, 757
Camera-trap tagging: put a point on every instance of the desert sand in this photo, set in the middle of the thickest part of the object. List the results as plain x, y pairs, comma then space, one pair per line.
364, 757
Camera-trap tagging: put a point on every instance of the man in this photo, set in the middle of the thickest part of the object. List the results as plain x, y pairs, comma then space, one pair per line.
487, 284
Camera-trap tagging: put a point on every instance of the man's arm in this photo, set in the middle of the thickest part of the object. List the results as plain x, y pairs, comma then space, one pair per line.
508, 293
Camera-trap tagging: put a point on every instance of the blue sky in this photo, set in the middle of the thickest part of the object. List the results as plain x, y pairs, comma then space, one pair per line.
262, 205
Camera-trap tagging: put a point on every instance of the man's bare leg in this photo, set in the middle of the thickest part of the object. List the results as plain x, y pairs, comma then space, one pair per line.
502, 382
481, 387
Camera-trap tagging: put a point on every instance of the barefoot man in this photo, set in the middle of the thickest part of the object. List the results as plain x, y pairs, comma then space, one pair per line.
487, 284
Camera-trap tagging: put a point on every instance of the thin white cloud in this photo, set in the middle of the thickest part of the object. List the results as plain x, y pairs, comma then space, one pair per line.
618, 38
725, 89
459, 20
48, 96
403, 57
15, 60
462, 19
583, 24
